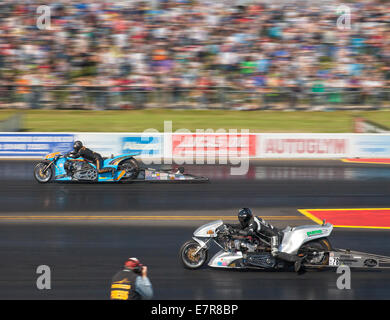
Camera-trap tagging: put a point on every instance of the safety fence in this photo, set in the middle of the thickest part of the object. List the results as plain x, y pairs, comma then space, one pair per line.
138, 97
198, 148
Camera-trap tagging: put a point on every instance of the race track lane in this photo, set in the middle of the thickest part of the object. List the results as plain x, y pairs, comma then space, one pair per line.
85, 252
84, 257
298, 184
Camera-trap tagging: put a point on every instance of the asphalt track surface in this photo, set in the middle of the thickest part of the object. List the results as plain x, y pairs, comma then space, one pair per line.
84, 232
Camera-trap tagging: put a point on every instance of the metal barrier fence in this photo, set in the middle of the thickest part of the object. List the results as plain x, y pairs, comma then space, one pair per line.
130, 97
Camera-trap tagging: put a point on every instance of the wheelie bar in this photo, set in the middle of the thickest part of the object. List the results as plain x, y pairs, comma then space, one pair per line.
354, 259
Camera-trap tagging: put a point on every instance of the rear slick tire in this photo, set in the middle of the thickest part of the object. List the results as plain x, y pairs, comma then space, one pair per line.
132, 168
313, 246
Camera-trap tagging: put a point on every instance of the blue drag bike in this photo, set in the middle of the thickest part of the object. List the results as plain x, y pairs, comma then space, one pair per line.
61, 167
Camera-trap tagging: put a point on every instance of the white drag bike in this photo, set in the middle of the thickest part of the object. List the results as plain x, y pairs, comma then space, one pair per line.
308, 243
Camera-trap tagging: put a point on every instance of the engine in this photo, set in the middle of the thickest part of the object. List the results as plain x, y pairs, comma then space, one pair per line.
245, 246
263, 260
254, 254
80, 170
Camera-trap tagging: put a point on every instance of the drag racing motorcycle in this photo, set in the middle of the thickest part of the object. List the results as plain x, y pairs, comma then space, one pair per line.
308, 243
61, 167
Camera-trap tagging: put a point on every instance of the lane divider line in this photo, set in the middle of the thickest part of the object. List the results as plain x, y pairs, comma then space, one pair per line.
306, 213
367, 161
59, 217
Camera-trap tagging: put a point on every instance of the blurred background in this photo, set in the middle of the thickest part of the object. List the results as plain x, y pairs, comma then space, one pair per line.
124, 66
244, 55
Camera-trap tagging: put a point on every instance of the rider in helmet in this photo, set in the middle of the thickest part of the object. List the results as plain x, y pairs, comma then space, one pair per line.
132, 282
80, 151
251, 225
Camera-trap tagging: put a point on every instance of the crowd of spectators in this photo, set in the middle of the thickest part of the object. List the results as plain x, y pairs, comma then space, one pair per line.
256, 45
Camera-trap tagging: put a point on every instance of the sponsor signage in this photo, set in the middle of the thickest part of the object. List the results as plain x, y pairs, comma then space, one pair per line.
302, 146
144, 145
107, 144
372, 145
198, 145
314, 233
34, 144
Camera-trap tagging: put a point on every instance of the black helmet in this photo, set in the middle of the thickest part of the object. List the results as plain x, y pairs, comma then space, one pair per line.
244, 216
77, 145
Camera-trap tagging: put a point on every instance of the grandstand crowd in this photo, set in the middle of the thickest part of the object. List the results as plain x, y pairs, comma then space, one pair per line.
184, 44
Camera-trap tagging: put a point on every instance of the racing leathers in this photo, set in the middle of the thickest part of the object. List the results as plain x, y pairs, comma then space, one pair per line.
256, 226
92, 156
128, 285
259, 227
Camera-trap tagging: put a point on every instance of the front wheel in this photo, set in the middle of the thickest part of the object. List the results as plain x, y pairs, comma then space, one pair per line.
189, 259
41, 173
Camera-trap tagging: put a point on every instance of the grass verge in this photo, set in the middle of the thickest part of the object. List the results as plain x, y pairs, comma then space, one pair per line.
139, 120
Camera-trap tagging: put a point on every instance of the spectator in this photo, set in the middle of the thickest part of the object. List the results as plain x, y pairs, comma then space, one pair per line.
170, 44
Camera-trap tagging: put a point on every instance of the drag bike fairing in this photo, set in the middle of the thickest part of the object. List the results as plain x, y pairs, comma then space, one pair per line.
65, 168
309, 243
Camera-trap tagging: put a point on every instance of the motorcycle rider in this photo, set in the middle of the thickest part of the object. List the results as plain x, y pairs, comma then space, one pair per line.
256, 226
131, 283
81, 151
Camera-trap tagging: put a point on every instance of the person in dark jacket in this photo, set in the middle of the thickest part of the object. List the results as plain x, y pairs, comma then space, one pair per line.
250, 225
256, 226
80, 151
132, 282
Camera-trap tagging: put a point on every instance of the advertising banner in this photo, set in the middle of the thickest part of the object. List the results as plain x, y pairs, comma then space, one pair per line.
198, 145
371, 146
108, 144
34, 145
303, 145
142, 144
